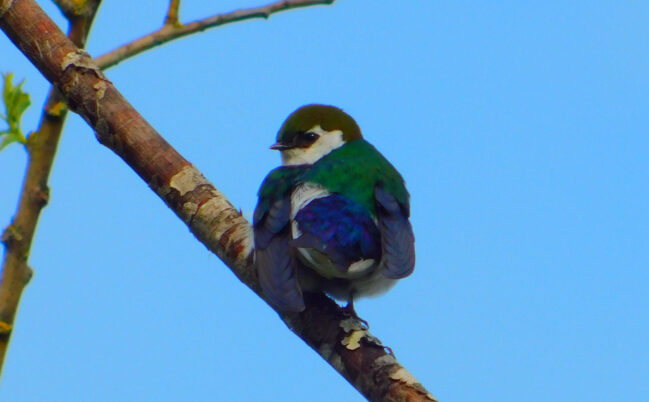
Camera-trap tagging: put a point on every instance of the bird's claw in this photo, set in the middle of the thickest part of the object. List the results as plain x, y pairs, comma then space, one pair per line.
349, 311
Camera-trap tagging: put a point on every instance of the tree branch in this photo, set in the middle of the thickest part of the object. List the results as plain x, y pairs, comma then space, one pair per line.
341, 340
172, 17
169, 32
41, 148
74, 9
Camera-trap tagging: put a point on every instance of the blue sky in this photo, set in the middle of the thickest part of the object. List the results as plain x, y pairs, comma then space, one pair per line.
520, 127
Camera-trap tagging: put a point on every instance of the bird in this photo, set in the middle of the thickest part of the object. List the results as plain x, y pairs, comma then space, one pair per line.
333, 218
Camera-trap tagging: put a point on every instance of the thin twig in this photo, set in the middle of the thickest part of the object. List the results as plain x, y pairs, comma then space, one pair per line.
172, 17
41, 148
68, 7
74, 9
169, 32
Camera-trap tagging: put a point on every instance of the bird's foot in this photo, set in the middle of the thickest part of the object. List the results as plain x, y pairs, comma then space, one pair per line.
349, 311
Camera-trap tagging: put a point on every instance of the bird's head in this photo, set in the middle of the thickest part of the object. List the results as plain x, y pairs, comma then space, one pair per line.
312, 132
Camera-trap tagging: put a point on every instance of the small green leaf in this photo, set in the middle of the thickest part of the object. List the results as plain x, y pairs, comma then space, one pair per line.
6, 140
15, 102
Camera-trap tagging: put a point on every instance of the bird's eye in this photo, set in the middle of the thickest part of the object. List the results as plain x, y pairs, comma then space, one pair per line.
305, 139
310, 135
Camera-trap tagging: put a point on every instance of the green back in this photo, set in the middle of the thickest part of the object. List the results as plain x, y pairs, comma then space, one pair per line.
353, 171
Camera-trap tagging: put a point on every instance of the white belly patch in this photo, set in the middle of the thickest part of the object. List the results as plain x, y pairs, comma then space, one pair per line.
320, 263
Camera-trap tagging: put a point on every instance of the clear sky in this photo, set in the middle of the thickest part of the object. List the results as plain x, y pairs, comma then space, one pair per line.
520, 127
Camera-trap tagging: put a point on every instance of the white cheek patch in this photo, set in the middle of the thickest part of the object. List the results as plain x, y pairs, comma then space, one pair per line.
328, 141
293, 157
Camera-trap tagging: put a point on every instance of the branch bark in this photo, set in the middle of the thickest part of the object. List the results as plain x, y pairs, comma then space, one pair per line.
341, 340
41, 148
171, 31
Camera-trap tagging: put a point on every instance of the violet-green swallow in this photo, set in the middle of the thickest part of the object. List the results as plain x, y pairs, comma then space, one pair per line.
334, 217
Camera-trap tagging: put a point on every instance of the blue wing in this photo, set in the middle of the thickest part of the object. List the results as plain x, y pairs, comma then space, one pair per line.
340, 228
397, 239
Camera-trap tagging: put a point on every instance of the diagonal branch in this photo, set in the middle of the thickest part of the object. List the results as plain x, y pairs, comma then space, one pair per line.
171, 31
41, 148
342, 341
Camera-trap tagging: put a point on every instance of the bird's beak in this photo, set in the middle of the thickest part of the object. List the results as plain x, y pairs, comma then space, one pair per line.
279, 146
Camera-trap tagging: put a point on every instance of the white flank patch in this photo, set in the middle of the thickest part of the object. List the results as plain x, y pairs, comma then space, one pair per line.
359, 267
301, 197
328, 141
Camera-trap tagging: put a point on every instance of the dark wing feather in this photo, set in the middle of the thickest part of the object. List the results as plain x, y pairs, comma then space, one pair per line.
276, 269
397, 239
308, 240
269, 223
274, 258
